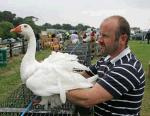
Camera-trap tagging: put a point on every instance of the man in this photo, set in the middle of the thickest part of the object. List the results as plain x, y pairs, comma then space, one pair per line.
37, 35
74, 38
148, 36
120, 87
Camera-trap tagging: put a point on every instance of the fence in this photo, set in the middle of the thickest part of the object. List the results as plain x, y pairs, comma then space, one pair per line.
82, 50
15, 48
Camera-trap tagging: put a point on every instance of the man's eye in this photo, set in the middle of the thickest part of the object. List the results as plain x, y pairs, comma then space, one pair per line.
104, 35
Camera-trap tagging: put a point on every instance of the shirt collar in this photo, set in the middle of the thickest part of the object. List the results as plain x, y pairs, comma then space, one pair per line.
107, 58
123, 53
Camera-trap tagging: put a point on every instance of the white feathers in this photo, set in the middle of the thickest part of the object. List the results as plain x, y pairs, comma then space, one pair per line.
57, 76
54, 76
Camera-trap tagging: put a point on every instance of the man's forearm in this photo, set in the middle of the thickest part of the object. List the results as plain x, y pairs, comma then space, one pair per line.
89, 97
79, 97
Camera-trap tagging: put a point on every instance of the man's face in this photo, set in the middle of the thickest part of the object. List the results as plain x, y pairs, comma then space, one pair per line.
108, 43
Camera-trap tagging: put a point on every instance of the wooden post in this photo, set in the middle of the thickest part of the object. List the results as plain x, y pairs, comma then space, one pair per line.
23, 46
10, 48
149, 69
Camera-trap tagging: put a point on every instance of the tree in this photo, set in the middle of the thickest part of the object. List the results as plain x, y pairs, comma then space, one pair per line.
57, 26
46, 26
11, 18
1, 32
80, 27
7, 16
31, 21
5, 27
67, 27
17, 21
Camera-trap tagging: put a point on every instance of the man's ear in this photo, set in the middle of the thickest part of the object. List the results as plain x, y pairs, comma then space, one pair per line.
123, 39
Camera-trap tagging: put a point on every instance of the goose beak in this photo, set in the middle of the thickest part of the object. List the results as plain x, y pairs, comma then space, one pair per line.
16, 29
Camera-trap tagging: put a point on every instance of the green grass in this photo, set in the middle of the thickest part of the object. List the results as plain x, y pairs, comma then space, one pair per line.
142, 51
10, 75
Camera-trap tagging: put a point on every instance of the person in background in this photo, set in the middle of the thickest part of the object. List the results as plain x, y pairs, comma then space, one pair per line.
74, 38
84, 35
148, 36
93, 35
119, 89
59, 36
67, 35
55, 43
37, 35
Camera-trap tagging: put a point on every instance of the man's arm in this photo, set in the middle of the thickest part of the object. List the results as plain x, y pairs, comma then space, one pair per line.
89, 97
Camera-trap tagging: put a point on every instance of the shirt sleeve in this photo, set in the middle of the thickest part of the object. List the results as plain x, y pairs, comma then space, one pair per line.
119, 80
93, 69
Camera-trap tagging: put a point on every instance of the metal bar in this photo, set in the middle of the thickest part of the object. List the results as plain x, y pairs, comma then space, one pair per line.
11, 109
28, 107
75, 48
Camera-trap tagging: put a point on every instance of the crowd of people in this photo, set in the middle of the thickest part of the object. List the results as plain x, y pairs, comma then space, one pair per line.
56, 41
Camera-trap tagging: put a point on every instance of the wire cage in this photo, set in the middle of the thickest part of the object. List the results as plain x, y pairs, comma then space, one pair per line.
18, 104
82, 50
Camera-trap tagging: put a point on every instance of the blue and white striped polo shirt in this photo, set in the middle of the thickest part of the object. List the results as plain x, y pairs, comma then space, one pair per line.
123, 77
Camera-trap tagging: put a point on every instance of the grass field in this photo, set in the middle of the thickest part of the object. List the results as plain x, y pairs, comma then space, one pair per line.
10, 76
142, 51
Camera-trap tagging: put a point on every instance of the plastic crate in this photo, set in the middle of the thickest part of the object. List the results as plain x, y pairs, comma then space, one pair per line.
3, 57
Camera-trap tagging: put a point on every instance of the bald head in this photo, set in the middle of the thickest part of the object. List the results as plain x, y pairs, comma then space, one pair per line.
120, 24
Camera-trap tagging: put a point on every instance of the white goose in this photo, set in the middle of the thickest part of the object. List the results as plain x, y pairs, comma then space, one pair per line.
55, 75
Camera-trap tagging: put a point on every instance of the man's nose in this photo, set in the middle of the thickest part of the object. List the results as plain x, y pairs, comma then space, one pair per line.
101, 41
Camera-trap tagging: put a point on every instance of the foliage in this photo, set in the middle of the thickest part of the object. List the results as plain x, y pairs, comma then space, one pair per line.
1, 32
67, 27
56, 26
81, 27
46, 26
5, 27
31, 21
7, 16
8, 20
18, 20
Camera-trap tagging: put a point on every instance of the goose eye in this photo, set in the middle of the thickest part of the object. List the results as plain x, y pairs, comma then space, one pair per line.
25, 26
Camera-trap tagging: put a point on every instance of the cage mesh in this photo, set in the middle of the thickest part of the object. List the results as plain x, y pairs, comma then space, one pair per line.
19, 100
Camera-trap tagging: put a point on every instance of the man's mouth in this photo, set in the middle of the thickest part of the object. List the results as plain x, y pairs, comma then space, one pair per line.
102, 43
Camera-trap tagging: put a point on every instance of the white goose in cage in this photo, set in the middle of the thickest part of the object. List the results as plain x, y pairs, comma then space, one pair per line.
53, 76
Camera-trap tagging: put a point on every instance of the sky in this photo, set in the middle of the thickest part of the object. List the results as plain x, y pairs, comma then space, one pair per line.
86, 12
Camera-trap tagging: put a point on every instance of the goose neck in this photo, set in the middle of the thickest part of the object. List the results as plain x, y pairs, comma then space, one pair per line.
31, 50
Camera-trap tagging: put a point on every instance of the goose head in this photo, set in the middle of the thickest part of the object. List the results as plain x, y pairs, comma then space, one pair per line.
23, 29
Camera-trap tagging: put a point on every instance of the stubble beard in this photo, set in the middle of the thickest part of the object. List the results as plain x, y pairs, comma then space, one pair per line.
107, 50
